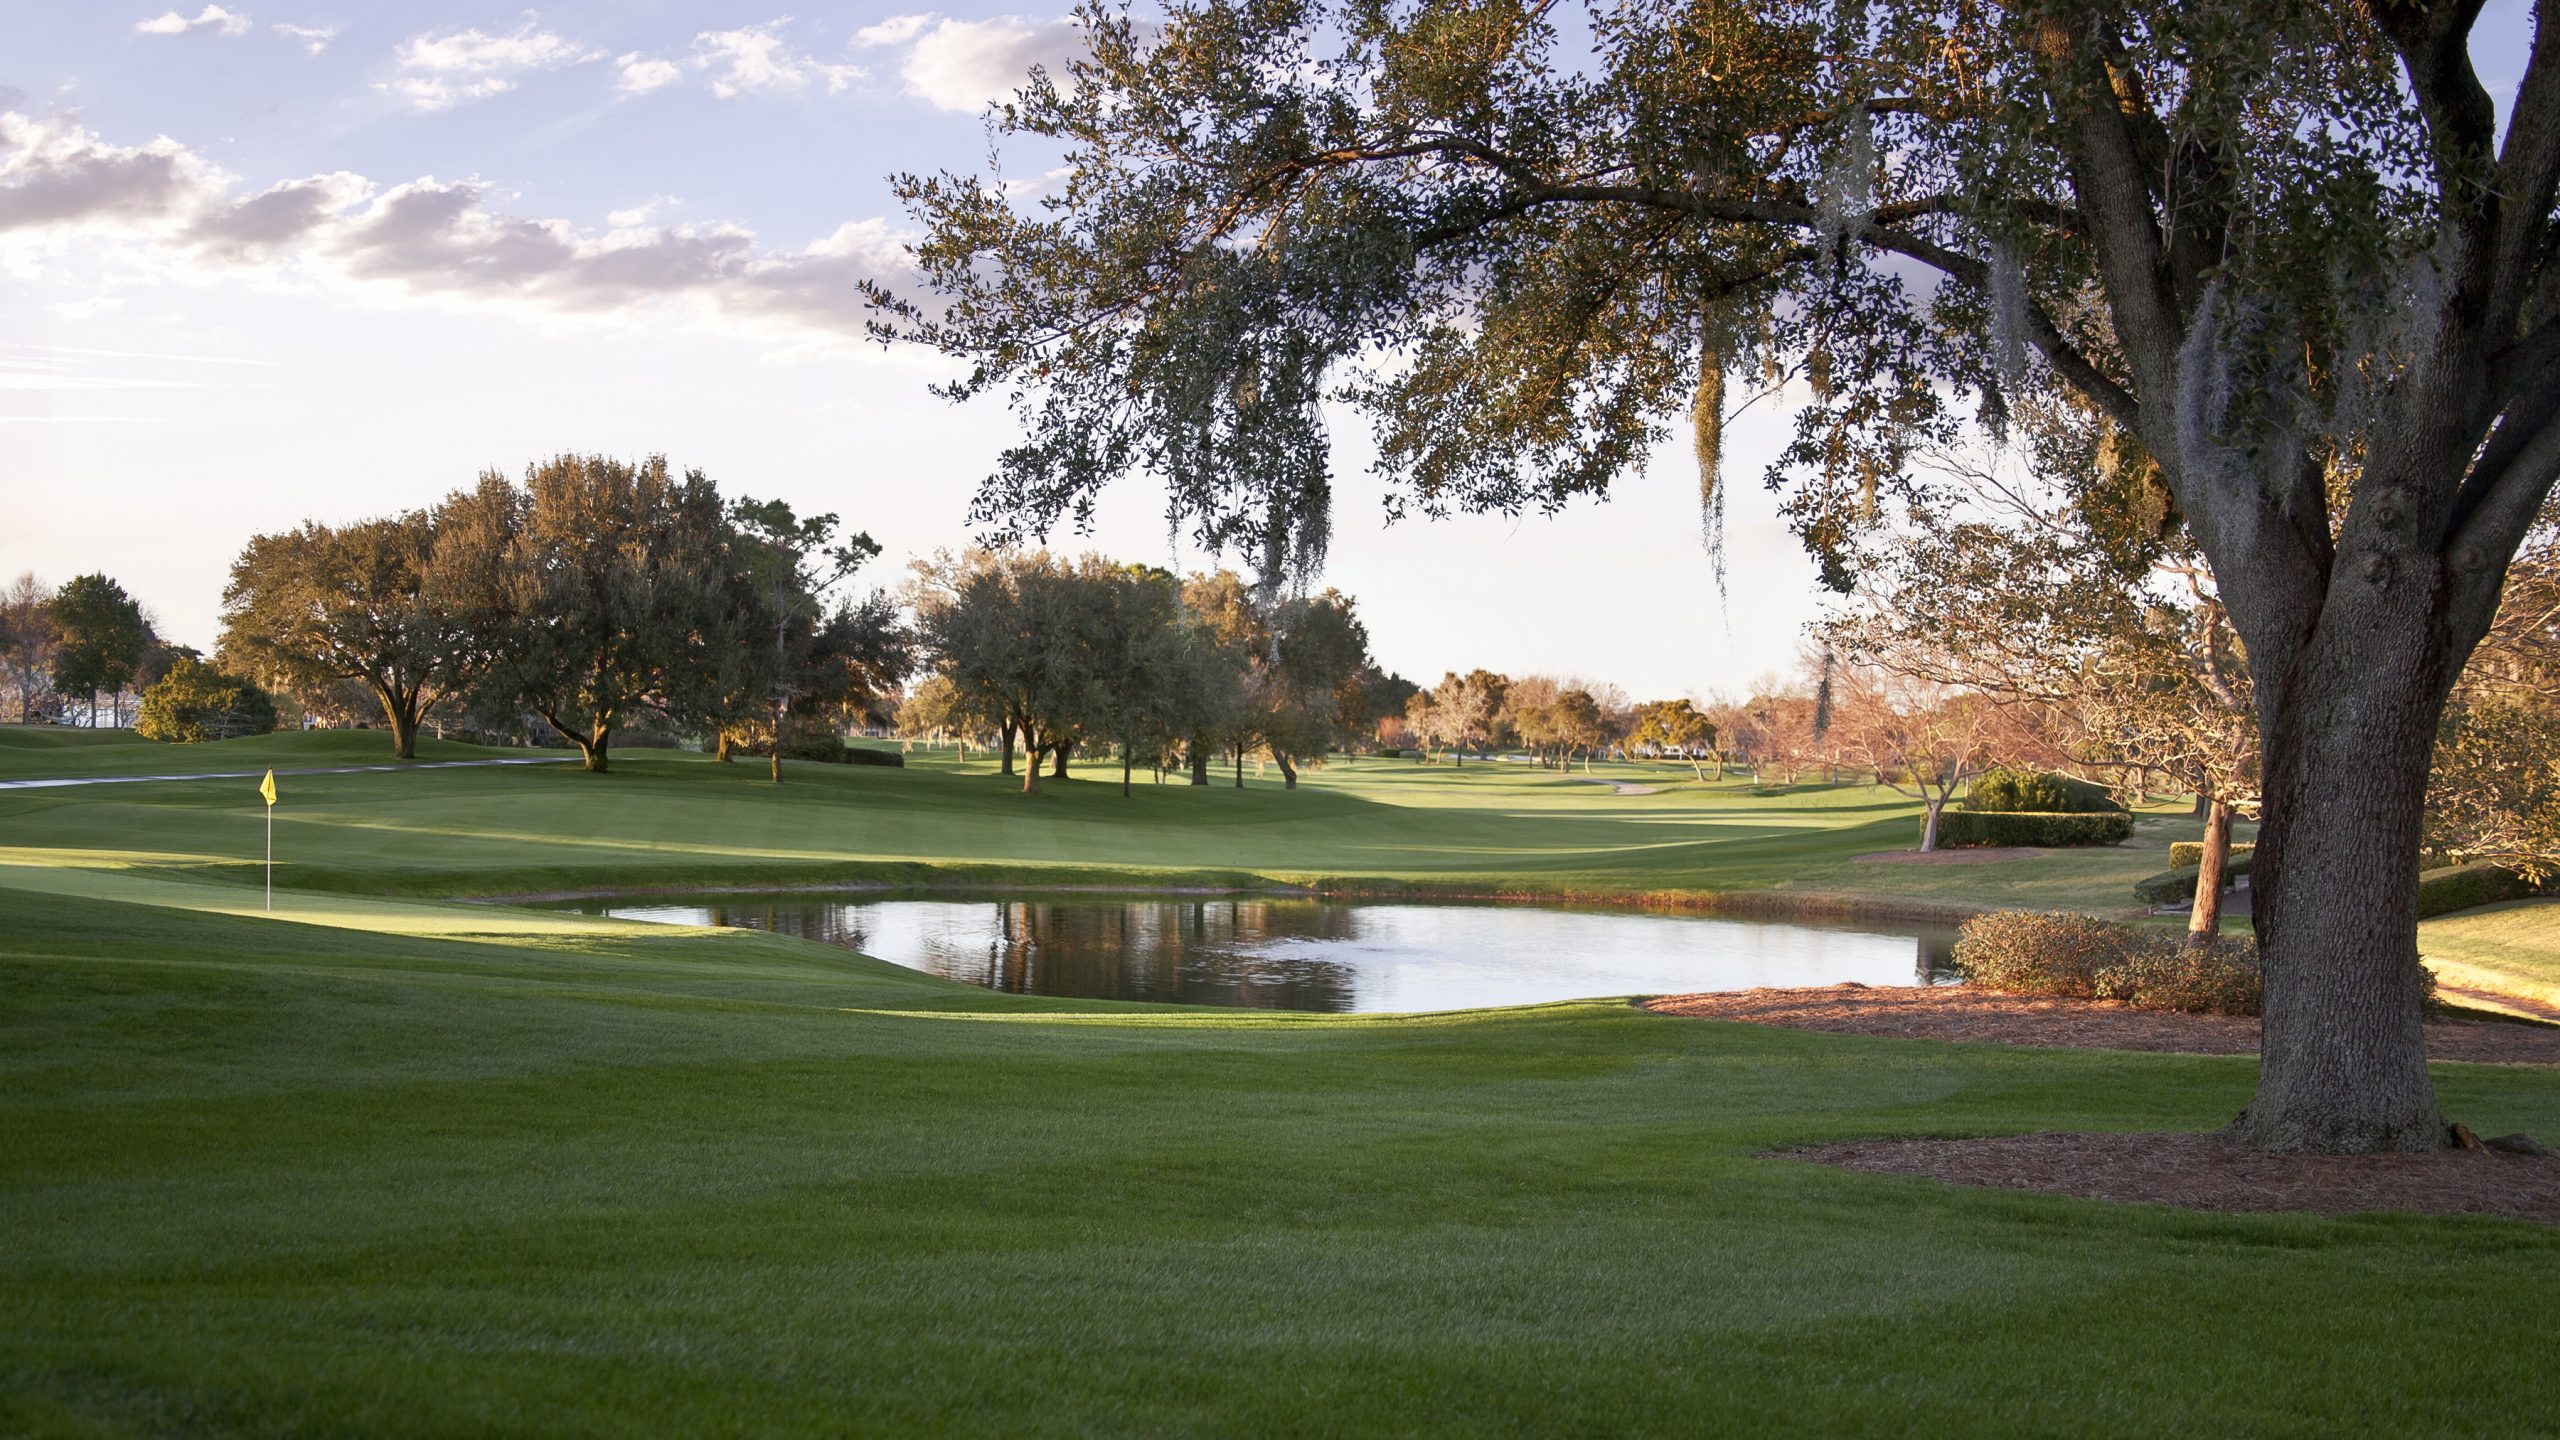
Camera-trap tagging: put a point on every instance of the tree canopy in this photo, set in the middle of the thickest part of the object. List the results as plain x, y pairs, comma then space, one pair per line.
2288, 255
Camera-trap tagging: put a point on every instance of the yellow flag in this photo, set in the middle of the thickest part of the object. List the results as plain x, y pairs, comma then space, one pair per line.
267, 787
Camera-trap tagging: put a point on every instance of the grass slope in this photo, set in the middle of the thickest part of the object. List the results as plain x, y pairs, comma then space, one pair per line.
399, 1168
2513, 949
670, 819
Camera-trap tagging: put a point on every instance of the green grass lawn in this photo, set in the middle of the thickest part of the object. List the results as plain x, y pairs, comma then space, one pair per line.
2513, 948
663, 818
388, 1165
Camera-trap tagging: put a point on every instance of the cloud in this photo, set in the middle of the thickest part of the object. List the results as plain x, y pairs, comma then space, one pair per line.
55, 174
965, 65
162, 207
896, 30
751, 60
314, 38
276, 219
756, 59
638, 76
439, 71
211, 17
638, 215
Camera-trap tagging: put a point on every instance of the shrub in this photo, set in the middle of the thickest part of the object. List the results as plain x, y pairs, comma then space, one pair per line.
2179, 883
2038, 793
865, 755
2442, 892
1961, 828
2190, 853
196, 702
2075, 957
2027, 953
2160, 971
824, 748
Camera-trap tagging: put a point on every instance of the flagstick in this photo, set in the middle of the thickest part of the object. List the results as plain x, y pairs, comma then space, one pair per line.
271, 856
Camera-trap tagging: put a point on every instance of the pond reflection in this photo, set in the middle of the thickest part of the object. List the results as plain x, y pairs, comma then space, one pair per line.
1301, 954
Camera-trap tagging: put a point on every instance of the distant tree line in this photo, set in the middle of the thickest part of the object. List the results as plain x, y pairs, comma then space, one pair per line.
1047, 658
87, 643
592, 595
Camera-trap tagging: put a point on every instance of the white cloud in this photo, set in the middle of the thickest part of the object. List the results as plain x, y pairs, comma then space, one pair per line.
752, 60
314, 38
211, 17
638, 215
967, 64
55, 174
757, 59
440, 71
163, 209
896, 30
638, 76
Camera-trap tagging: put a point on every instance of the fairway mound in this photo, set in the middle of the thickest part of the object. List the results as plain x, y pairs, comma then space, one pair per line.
1971, 855
2201, 1172
1957, 1012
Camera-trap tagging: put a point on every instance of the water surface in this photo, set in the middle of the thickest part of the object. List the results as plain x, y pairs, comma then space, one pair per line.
1297, 954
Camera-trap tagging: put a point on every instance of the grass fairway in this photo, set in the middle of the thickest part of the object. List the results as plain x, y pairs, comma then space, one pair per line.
662, 818
393, 1166
2513, 949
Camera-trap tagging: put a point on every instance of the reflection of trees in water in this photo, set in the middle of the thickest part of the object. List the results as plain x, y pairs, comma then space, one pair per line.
1234, 951
1195, 952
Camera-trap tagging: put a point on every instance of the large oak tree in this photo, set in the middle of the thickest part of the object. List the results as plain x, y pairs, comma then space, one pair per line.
2287, 249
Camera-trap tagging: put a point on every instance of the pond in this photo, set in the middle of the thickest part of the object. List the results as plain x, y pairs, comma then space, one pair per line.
1303, 954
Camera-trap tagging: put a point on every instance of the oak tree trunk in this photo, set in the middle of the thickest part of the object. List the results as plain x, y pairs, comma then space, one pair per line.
1031, 770
1008, 749
1060, 773
1199, 759
2349, 731
1930, 808
404, 730
1288, 772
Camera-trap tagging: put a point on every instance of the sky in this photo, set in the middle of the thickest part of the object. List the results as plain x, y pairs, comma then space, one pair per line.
313, 259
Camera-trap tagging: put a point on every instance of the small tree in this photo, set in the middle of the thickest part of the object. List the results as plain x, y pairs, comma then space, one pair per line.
193, 701
789, 651
1674, 727
100, 639
609, 594
28, 640
1922, 740
308, 609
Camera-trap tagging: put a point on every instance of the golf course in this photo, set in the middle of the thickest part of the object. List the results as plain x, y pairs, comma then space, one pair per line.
394, 1160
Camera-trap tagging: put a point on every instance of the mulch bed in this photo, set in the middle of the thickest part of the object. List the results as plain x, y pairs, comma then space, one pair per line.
1969, 855
1955, 1012
2200, 1172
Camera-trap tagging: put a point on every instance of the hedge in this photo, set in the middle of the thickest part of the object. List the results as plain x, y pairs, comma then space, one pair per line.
2190, 853
2179, 881
1958, 829
865, 755
2030, 792
2442, 892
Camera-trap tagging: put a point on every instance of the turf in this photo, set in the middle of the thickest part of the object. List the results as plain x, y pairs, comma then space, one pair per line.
387, 1165
662, 818
376, 1176
2513, 949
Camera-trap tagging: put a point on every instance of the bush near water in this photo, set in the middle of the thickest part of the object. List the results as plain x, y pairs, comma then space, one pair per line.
2076, 957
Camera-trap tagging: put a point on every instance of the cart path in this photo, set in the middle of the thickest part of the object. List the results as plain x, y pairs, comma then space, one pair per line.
255, 774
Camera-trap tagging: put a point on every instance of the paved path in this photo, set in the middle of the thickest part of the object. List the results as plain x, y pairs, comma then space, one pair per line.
254, 774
